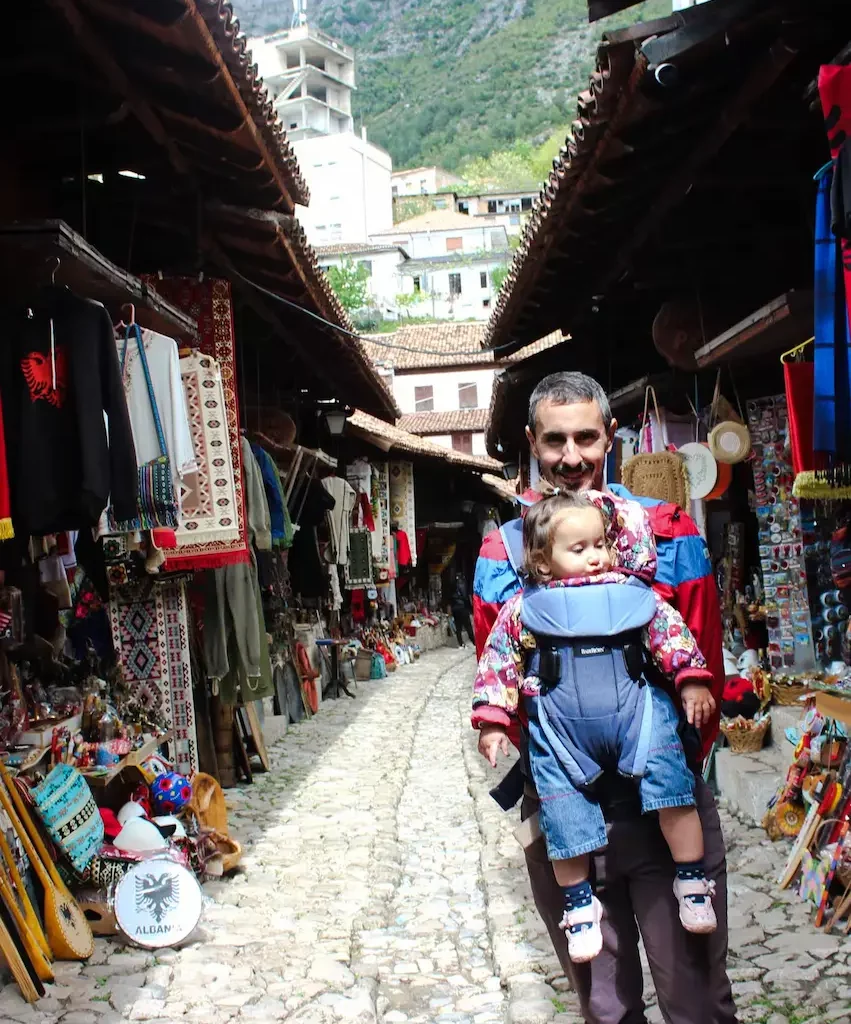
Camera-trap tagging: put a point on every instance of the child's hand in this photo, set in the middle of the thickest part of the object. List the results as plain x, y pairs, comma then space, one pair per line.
492, 739
698, 703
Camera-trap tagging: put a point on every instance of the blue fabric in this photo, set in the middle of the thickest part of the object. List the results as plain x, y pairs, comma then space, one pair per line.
571, 820
832, 371
495, 581
274, 495
512, 537
598, 609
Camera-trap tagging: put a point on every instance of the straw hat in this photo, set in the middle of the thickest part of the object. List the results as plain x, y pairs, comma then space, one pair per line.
730, 442
701, 469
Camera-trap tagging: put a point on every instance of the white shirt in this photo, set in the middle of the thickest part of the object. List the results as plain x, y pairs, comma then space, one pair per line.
164, 365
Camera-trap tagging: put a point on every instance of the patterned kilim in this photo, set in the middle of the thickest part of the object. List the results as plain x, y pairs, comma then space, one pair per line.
402, 502
151, 638
209, 303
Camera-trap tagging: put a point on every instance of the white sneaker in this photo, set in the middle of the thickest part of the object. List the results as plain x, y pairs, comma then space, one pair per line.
698, 918
584, 935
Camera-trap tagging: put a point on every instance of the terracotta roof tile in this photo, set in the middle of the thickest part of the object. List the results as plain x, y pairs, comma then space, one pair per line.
402, 441
428, 346
452, 422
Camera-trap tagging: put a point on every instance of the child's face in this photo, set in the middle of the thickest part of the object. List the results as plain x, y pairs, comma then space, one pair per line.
579, 545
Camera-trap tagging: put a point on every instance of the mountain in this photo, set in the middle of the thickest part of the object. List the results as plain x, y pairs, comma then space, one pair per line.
449, 81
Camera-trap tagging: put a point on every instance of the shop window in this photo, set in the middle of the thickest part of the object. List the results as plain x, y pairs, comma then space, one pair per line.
483, 278
462, 443
454, 244
468, 396
454, 284
424, 398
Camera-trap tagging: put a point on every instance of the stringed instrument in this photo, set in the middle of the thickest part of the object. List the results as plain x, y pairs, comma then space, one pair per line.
31, 988
34, 955
68, 932
30, 916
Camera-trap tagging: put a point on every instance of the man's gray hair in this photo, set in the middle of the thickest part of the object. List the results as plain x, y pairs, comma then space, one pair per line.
565, 389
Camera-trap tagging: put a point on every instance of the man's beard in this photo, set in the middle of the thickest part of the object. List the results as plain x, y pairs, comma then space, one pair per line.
572, 477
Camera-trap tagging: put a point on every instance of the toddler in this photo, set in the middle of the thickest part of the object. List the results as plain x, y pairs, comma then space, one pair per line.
569, 653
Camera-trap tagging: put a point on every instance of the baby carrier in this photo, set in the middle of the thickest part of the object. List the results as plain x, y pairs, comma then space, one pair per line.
592, 708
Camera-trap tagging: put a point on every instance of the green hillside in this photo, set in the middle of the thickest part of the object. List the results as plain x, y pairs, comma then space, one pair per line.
446, 81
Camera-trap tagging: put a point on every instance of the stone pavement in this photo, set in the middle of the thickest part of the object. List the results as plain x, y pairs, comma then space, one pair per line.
381, 883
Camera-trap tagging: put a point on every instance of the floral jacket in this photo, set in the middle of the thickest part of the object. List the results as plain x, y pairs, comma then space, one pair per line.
500, 678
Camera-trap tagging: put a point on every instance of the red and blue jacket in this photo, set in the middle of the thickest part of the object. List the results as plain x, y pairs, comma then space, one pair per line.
683, 578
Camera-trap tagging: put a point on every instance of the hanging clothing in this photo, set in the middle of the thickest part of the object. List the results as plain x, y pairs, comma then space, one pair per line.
403, 549
340, 517
307, 571
230, 609
256, 505
164, 365
281, 528
59, 374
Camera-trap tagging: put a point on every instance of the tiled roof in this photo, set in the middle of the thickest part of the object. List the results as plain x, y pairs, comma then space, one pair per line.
455, 421
435, 220
429, 346
370, 427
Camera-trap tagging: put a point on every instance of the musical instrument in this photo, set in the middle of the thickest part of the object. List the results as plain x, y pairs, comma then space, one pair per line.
68, 931
158, 903
33, 922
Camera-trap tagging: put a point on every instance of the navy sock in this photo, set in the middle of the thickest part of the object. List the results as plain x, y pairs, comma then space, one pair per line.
690, 871
576, 896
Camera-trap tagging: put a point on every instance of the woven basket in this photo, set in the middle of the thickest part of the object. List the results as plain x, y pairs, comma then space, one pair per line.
661, 475
363, 664
746, 741
787, 694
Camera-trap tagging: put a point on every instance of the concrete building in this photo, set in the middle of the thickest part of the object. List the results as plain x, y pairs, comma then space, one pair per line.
514, 207
312, 77
422, 181
384, 263
442, 380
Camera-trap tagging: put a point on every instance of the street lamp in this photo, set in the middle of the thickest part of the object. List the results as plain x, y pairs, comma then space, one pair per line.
335, 421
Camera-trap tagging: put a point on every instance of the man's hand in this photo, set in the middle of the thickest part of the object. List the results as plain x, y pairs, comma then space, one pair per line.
492, 739
698, 704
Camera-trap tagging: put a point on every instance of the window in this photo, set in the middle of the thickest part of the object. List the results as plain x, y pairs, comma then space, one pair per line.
498, 239
367, 264
468, 396
424, 398
454, 284
423, 187
491, 206
526, 203
462, 443
486, 303
464, 207
483, 278
454, 244
395, 191
418, 286
440, 203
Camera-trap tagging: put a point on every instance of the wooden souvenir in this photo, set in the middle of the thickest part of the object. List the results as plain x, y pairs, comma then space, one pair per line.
31, 988
252, 732
32, 951
68, 931
33, 922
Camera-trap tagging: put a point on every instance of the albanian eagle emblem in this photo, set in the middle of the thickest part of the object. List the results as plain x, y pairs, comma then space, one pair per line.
40, 373
156, 895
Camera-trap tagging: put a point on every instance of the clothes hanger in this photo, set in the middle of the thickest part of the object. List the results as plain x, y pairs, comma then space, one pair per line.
797, 350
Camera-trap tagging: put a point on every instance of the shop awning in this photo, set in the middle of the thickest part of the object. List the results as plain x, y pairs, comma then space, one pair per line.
693, 132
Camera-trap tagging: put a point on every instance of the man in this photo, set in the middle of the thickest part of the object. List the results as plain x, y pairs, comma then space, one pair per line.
570, 432
460, 608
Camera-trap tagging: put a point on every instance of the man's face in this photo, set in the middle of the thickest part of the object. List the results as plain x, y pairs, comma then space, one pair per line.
571, 444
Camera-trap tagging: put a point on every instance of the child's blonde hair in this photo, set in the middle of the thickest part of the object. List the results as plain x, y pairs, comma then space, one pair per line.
538, 529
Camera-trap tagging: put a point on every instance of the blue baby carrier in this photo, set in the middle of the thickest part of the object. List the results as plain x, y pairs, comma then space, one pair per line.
593, 710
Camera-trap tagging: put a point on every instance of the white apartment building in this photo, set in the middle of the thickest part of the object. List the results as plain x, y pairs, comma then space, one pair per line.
384, 263
511, 207
311, 77
445, 232
442, 379
421, 181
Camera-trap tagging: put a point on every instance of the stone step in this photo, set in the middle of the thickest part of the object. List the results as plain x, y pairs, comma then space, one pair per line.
748, 781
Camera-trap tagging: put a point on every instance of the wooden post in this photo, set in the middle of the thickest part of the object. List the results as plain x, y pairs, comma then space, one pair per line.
222, 719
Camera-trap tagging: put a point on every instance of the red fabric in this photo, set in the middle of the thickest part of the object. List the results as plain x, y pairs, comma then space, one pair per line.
403, 548
800, 390
358, 605
366, 511
834, 86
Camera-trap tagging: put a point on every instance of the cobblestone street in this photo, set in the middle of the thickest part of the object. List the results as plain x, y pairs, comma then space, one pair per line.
381, 883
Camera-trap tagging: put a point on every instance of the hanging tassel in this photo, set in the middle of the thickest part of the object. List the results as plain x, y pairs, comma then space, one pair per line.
53, 353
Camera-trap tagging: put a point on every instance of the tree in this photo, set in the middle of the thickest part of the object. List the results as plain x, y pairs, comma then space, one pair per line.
498, 275
349, 284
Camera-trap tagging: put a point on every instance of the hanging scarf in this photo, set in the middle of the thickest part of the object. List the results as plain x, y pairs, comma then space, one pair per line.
798, 378
6, 530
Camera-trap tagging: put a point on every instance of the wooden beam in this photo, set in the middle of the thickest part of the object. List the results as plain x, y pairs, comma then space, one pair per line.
91, 45
252, 128
763, 75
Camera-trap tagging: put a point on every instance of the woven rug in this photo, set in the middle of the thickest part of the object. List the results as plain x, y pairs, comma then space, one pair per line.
209, 303
151, 638
402, 510
209, 497
381, 514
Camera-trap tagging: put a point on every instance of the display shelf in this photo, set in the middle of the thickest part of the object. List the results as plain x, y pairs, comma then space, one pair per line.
28, 254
